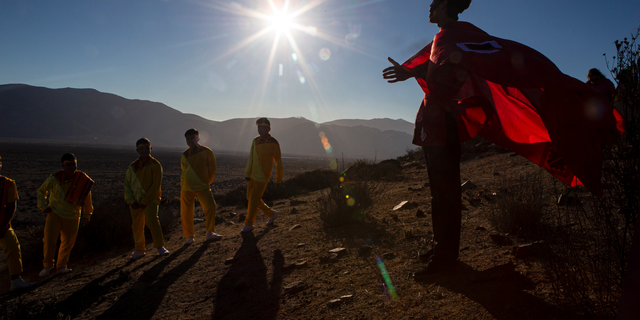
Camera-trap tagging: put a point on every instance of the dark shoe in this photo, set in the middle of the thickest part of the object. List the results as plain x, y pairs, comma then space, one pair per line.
425, 257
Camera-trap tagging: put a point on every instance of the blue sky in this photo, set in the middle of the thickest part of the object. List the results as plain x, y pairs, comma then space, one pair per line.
181, 53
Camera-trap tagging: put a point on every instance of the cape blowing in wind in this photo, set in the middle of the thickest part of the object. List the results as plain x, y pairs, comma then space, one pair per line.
517, 98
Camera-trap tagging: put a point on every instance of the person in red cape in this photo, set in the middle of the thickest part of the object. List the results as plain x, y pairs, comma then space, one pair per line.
511, 95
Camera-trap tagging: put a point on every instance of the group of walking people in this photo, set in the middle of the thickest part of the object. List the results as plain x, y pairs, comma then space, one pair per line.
65, 197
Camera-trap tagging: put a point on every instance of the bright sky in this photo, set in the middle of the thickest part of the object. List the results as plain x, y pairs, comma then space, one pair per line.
217, 60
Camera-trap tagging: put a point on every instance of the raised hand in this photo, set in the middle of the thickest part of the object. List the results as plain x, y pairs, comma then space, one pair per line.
397, 72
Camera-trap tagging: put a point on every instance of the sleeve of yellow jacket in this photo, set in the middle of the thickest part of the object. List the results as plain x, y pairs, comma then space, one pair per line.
153, 193
213, 166
249, 167
129, 186
279, 169
44, 192
87, 210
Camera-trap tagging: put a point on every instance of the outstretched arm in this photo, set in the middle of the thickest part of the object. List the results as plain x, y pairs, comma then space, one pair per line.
397, 72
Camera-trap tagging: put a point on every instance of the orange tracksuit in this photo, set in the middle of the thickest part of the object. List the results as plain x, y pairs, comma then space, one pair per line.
198, 171
264, 151
8, 240
142, 185
63, 220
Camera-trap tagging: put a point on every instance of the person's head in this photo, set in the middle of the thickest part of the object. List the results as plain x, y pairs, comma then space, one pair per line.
594, 75
444, 11
143, 147
264, 126
193, 137
69, 163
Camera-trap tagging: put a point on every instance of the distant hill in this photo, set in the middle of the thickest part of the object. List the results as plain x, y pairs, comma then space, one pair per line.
383, 124
91, 117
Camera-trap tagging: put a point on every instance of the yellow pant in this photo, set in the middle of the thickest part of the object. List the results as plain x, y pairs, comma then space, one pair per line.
11, 247
255, 190
148, 216
68, 230
187, 202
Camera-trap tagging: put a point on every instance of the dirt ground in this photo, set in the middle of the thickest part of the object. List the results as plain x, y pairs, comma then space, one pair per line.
286, 271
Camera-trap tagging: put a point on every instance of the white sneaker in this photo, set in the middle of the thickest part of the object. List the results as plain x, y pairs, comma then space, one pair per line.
63, 271
19, 283
272, 219
45, 272
163, 251
213, 236
188, 241
137, 255
246, 229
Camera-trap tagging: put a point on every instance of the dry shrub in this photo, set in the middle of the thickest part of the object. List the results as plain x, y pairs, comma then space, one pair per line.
387, 170
591, 247
346, 204
520, 206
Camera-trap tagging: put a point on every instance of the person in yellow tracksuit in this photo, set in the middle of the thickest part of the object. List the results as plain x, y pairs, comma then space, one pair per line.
66, 199
8, 240
264, 151
142, 192
198, 165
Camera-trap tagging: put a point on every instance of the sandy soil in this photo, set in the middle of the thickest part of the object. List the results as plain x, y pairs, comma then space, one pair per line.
256, 277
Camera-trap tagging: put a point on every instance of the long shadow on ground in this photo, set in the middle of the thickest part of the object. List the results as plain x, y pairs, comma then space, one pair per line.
145, 296
501, 291
244, 291
93, 291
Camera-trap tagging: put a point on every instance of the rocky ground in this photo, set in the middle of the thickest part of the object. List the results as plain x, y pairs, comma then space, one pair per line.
299, 268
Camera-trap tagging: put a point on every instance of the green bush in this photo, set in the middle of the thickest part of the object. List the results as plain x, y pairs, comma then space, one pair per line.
346, 204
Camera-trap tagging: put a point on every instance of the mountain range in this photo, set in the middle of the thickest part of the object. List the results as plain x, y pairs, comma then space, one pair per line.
87, 116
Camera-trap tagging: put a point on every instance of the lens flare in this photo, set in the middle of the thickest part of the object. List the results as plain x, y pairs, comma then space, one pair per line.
387, 279
280, 70
324, 54
334, 165
294, 56
351, 202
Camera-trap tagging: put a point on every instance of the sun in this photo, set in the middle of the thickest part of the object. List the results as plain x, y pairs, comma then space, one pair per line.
281, 22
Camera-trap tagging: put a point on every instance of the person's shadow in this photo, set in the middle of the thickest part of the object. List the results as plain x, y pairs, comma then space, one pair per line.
244, 291
501, 291
145, 296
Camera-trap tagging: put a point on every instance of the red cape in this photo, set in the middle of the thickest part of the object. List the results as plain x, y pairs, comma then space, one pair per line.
517, 98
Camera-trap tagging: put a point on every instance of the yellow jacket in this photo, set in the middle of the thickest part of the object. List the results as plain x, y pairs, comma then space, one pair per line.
198, 169
260, 164
142, 181
55, 191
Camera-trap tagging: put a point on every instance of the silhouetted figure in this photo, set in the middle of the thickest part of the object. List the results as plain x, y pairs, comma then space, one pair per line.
142, 193
600, 83
265, 150
8, 240
199, 166
511, 95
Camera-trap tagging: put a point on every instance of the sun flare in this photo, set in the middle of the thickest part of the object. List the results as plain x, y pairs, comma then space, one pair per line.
281, 22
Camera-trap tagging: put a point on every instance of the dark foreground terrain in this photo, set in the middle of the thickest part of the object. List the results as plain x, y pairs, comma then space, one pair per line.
285, 271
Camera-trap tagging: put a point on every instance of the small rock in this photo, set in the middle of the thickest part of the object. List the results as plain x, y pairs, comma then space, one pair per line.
228, 223
230, 261
400, 205
294, 287
500, 239
420, 214
338, 250
389, 256
198, 220
346, 297
334, 303
293, 211
295, 227
528, 250
300, 245
301, 263
481, 228
468, 185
